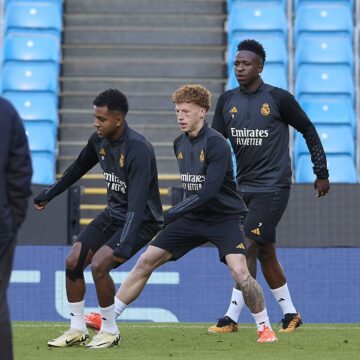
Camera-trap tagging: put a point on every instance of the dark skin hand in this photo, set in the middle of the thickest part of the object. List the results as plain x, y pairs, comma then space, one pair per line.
322, 186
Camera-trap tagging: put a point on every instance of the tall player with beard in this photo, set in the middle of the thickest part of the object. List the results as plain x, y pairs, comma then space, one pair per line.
132, 217
255, 117
210, 212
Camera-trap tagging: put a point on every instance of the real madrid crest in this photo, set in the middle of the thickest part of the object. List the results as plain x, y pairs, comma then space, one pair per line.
265, 109
122, 160
202, 156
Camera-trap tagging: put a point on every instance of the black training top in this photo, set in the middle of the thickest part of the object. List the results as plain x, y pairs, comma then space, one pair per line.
207, 177
130, 173
256, 123
15, 174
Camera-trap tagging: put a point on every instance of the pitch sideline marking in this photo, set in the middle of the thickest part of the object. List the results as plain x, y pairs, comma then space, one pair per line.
171, 326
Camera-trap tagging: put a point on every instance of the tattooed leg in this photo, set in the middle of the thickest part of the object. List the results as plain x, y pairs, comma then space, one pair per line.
250, 288
253, 295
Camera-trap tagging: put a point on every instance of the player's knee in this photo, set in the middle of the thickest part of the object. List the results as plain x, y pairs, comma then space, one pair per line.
71, 261
75, 264
252, 249
240, 273
75, 274
73, 270
99, 268
266, 254
145, 265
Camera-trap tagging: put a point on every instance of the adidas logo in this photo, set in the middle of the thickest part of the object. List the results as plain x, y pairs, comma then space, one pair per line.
240, 246
180, 156
233, 110
256, 231
281, 299
102, 152
234, 302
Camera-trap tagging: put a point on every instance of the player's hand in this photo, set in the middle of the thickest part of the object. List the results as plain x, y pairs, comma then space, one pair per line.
322, 186
40, 201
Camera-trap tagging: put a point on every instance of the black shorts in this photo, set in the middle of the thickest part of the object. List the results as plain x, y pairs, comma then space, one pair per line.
184, 234
104, 230
265, 210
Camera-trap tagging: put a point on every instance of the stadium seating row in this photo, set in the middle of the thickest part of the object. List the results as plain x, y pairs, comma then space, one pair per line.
324, 70
296, 3
30, 70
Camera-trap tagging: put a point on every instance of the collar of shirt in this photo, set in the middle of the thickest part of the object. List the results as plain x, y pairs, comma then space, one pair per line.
199, 135
122, 136
248, 92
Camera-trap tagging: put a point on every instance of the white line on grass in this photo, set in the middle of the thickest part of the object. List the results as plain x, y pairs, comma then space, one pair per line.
189, 326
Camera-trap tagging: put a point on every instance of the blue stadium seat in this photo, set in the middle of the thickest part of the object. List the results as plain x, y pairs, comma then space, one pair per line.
325, 80
57, 2
41, 135
253, 19
276, 75
29, 76
258, 2
275, 48
33, 15
341, 169
330, 111
31, 47
336, 139
323, 18
325, 50
273, 74
349, 3
33, 106
43, 163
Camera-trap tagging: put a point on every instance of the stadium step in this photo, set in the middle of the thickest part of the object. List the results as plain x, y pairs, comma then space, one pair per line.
147, 7
69, 148
138, 101
215, 21
147, 49
155, 133
93, 194
165, 164
136, 68
143, 36
135, 85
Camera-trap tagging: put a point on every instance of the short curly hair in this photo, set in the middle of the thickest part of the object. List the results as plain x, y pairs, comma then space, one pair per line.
114, 99
193, 93
253, 46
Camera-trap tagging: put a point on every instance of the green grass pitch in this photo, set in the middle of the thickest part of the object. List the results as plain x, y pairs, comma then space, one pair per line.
147, 341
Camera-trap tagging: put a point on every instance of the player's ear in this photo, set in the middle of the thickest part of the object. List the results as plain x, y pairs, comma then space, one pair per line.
119, 119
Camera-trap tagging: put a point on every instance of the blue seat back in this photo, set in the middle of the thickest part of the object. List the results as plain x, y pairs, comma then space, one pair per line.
336, 139
324, 50
349, 3
281, 3
323, 18
255, 18
35, 105
341, 169
43, 167
325, 79
41, 135
330, 111
33, 15
30, 76
31, 47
